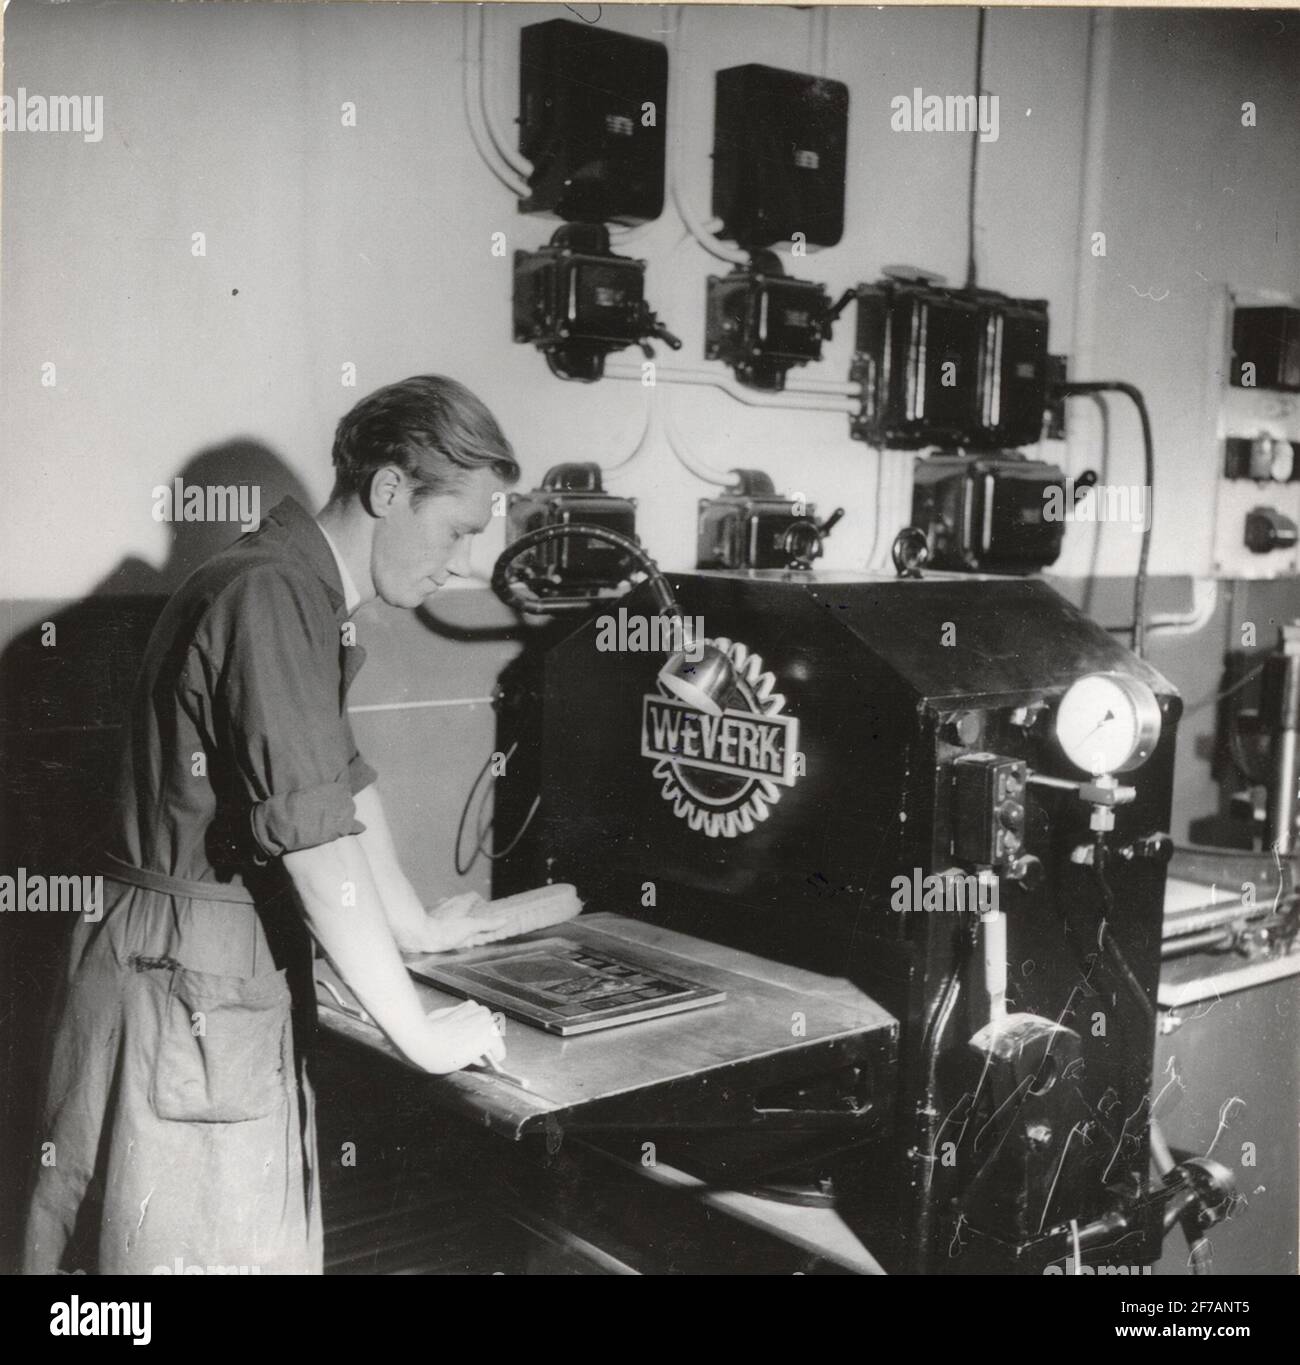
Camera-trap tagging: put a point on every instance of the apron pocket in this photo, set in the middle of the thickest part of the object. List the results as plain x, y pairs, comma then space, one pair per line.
224, 1049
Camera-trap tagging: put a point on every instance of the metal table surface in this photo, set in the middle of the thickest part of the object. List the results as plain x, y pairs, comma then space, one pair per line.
778, 1023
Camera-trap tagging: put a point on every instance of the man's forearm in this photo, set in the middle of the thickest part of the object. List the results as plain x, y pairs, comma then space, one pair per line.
402, 909
347, 917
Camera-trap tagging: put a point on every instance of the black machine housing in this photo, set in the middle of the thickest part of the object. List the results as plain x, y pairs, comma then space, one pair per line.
1268, 340
989, 513
577, 301
573, 566
593, 108
762, 323
751, 526
880, 729
949, 367
780, 145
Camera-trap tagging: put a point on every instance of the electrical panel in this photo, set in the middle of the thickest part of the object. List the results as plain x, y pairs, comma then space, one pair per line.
762, 323
592, 115
989, 514
1266, 349
751, 526
949, 367
1254, 369
576, 301
573, 493
780, 142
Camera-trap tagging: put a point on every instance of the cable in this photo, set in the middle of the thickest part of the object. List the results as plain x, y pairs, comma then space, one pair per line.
974, 151
481, 827
645, 439
471, 79
826, 397
683, 457
932, 1043
1106, 940
517, 163
715, 248
1134, 394
1227, 691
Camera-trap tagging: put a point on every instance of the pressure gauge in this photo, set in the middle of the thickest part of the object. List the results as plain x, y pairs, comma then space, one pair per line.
1108, 723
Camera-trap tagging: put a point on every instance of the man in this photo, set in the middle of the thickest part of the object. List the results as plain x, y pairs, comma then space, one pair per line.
179, 1125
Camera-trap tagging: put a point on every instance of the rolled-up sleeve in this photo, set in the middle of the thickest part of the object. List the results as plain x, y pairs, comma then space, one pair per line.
270, 648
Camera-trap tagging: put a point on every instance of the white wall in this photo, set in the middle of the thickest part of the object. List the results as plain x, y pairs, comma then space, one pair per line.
371, 245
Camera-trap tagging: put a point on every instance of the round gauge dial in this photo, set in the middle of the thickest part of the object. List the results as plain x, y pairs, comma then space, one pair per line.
1107, 723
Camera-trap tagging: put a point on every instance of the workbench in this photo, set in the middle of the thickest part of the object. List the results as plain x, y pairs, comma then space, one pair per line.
753, 1068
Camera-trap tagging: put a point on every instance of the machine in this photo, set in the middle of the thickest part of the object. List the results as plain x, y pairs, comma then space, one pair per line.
947, 792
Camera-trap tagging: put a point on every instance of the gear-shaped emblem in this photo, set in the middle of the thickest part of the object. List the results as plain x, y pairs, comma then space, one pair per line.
723, 774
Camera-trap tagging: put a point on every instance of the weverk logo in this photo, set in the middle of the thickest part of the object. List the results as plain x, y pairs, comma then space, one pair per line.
723, 774
923, 113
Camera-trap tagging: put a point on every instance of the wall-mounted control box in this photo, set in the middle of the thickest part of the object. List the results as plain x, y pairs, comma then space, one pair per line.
780, 143
593, 107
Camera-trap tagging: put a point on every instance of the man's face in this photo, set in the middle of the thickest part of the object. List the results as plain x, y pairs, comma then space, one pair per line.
419, 545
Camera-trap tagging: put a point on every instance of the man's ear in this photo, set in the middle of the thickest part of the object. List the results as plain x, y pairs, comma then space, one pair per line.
383, 490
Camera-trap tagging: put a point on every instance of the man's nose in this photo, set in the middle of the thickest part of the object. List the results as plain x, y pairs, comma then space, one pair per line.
459, 563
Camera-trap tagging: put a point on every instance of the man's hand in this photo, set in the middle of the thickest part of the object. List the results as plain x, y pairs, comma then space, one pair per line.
452, 923
459, 1036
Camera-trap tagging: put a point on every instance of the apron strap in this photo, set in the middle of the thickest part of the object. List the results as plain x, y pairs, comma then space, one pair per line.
229, 893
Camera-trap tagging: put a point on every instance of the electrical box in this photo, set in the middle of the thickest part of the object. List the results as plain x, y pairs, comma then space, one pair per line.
949, 367
1253, 366
573, 493
780, 141
751, 526
592, 114
1266, 349
762, 323
989, 514
576, 301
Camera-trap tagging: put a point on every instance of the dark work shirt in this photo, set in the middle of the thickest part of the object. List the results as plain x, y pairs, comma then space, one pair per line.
238, 745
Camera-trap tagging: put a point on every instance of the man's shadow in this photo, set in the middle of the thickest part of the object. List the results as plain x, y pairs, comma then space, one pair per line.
65, 683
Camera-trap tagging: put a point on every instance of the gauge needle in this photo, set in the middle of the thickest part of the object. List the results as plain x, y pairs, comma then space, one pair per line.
1105, 720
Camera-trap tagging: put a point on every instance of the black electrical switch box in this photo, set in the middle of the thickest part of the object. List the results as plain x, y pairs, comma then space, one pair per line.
750, 526
1266, 349
573, 494
918, 361
592, 115
780, 141
989, 513
763, 323
577, 302
949, 367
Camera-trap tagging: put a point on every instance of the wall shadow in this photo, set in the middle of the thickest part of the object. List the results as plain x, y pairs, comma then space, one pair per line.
65, 683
